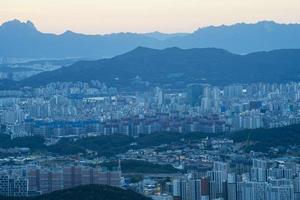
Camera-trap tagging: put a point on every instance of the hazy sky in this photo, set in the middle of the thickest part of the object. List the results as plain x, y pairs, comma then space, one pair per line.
105, 16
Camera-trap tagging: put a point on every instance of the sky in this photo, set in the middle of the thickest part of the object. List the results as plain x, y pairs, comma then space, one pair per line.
169, 16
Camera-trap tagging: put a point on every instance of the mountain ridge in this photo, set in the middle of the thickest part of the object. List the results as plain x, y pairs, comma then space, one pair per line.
24, 40
178, 66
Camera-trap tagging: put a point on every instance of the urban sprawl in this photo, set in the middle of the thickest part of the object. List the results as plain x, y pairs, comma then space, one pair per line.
213, 168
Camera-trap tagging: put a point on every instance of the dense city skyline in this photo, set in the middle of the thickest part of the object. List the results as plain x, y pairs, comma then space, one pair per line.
98, 17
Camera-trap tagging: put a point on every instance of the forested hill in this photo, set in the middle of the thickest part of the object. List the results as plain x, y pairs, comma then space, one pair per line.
178, 66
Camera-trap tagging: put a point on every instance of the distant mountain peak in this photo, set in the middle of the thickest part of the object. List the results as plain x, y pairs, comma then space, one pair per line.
17, 25
141, 50
259, 23
146, 50
266, 22
68, 32
164, 36
30, 24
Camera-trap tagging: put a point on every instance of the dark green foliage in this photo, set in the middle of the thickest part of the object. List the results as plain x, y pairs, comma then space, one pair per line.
258, 140
198, 136
137, 166
90, 192
263, 139
66, 147
135, 178
33, 142
112, 145
156, 139
106, 145
103, 145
